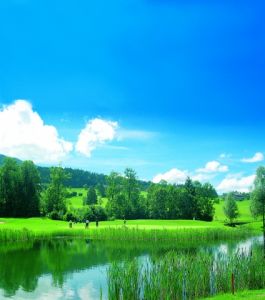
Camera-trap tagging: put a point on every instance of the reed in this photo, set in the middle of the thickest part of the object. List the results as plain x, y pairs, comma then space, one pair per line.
179, 276
178, 236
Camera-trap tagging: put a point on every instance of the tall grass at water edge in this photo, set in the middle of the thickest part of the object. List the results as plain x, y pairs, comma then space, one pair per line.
178, 235
179, 276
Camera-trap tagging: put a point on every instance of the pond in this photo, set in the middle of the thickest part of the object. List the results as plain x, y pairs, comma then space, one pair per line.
77, 268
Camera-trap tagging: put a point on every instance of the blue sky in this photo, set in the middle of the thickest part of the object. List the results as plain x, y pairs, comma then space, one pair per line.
179, 82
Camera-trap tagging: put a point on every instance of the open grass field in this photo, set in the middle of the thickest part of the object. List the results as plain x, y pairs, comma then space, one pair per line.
246, 295
45, 224
243, 207
77, 201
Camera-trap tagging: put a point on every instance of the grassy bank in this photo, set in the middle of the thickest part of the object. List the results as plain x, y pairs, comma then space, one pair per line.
177, 276
135, 230
246, 295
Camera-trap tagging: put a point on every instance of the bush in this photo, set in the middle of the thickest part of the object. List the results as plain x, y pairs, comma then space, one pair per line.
55, 215
99, 213
69, 216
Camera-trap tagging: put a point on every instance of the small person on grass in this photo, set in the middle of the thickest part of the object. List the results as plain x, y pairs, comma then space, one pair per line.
87, 224
70, 224
96, 222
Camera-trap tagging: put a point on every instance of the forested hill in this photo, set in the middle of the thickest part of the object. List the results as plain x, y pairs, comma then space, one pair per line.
2, 157
78, 178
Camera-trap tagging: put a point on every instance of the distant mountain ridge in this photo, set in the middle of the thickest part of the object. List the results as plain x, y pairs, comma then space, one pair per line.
78, 178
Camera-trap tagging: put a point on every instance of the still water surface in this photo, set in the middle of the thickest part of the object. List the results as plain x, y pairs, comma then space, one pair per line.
77, 269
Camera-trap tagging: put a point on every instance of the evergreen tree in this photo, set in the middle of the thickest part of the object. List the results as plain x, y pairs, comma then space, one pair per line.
31, 188
10, 188
91, 196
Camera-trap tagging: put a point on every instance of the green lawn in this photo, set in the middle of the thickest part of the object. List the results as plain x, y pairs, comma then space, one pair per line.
247, 295
243, 207
45, 224
77, 201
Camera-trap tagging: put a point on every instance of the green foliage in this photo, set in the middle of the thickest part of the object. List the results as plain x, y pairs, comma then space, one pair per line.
231, 208
188, 201
19, 189
258, 194
30, 190
123, 193
55, 194
91, 196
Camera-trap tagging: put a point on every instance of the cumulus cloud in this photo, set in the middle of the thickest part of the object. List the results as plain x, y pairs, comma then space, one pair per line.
24, 135
236, 183
213, 167
256, 158
173, 176
96, 133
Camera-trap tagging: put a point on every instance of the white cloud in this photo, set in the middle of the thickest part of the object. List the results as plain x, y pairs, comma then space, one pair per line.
172, 176
24, 135
256, 158
213, 167
236, 183
97, 132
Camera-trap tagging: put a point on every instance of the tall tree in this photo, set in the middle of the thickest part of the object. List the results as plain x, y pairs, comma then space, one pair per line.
230, 208
131, 192
113, 191
158, 198
190, 205
10, 188
258, 198
55, 194
31, 187
92, 197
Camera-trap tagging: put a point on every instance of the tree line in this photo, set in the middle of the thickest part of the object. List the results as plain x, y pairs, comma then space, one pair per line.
23, 195
191, 200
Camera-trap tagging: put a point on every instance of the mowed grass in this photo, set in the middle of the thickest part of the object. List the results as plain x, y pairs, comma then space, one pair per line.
45, 224
243, 207
77, 201
247, 295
